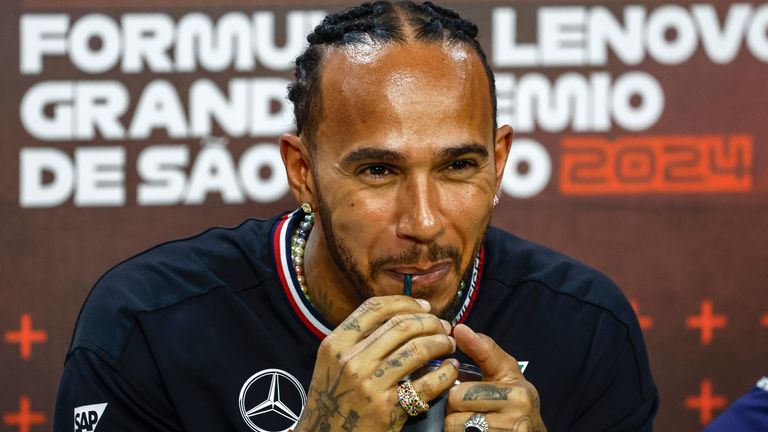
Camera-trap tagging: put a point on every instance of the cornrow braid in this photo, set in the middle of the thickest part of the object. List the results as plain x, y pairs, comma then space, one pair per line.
378, 22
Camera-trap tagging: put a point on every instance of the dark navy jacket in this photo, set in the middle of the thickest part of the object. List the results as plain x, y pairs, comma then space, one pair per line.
207, 333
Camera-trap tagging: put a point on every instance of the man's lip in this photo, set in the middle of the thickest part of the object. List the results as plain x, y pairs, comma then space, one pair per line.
421, 275
418, 270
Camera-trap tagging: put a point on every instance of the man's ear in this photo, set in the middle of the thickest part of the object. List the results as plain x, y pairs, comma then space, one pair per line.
503, 143
297, 162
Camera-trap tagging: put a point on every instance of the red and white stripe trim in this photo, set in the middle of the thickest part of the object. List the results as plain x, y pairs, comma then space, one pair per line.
304, 310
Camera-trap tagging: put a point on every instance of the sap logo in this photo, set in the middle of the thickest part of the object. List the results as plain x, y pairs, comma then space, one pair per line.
88, 416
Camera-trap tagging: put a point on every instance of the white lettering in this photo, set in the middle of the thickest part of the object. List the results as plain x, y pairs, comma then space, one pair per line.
562, 35
264, 121
206, 101
605, 31
33, 190
757, 36
99, 105
96, 43
196, 41
96, 176
665, 22
148, 38
161, 168
260, 188
213, 171
298, 25
100, 176
40, 35
525, 183
506, 51
646, 91
57, 126
721, 45
668, 34
105, 32
158, 107
634, 101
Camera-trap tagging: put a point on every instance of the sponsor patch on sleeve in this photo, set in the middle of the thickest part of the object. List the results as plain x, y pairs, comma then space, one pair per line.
87, 417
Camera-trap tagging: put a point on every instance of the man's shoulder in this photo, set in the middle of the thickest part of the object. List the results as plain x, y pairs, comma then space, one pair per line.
561, 315
520, 264
168, 274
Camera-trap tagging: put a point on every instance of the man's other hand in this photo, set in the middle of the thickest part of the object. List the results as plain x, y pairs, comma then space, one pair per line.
508, 401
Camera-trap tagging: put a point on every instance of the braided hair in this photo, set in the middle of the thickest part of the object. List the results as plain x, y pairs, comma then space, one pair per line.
378, 22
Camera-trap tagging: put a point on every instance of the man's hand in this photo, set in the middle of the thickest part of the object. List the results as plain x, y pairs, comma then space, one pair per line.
509, 402
360, 363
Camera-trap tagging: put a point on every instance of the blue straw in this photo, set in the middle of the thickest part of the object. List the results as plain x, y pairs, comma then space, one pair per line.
408, 285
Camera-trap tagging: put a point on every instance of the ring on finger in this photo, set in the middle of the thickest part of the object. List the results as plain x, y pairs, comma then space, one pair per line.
476, 423
410, 400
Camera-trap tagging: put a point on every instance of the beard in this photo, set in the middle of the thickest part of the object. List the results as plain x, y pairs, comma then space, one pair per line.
361, 282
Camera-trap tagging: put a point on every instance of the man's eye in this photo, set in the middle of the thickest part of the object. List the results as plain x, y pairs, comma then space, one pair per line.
461, 164
376, 170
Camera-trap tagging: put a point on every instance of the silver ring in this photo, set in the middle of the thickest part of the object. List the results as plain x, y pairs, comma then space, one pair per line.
476, 423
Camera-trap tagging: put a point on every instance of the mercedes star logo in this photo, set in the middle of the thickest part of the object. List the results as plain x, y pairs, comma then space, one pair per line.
272, 401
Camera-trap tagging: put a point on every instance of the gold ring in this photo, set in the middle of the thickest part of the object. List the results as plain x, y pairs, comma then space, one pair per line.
410, 400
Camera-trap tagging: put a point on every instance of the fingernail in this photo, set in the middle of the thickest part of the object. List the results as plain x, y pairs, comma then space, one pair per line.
455, 363
424, 304
453, 342
446, 326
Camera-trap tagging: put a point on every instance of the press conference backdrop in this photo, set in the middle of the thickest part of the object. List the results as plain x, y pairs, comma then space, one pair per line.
641, 148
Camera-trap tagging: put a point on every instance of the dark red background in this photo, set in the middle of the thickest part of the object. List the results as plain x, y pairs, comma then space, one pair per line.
669, 252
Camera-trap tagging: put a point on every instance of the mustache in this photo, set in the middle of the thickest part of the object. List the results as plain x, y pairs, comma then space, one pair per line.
416, 254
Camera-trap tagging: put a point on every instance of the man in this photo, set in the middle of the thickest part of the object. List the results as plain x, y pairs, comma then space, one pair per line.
749, 413
299, 322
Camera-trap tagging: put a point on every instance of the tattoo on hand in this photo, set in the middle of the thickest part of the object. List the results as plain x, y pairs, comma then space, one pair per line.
416, 318
351, 421
394, 419
486, 392
351, 324
379, 373
370, 305
394, 363
327, 404
525, 424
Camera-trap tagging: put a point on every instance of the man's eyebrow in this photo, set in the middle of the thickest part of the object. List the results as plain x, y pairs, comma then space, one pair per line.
369, 153
463, 149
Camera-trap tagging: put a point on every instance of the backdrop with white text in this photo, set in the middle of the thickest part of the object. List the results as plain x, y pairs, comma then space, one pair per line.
641, 148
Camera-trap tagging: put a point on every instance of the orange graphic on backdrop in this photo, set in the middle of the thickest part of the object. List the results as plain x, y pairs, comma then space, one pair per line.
705, 402
25, 417
707, 322
651, 164
764, 320
646, 321
26, 336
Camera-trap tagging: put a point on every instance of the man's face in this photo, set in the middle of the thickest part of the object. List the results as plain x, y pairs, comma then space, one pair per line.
405, 166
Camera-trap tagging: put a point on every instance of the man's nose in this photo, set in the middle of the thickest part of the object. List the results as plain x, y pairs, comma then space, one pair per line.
420, 218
